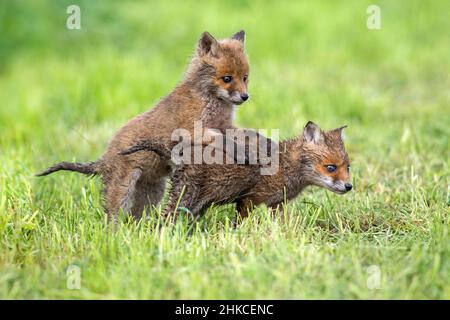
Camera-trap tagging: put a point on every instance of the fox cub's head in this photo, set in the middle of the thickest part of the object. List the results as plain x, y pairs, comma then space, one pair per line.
224, 67
327, 158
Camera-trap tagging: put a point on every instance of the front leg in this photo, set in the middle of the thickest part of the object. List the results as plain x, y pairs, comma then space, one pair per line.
250, 147
182, 196
223, 143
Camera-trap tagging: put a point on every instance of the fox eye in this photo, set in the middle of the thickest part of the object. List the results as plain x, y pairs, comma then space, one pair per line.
245, 78
331, 168
227, 79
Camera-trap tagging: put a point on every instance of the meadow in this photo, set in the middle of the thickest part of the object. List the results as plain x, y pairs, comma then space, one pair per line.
63, 94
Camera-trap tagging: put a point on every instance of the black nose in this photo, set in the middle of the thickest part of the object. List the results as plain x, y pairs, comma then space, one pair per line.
244, 97
348, 186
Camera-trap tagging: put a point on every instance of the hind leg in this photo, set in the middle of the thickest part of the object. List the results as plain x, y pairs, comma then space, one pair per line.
147, 195
119, 193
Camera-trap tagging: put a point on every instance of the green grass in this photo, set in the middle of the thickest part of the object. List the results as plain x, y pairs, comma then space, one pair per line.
64, 93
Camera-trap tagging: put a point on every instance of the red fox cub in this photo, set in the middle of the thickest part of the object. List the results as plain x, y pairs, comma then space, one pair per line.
216, 81
313, 158
316, 158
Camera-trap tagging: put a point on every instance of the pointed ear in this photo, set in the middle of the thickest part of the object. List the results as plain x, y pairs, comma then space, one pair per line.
207, 44
312, 133
340, 132
240, 36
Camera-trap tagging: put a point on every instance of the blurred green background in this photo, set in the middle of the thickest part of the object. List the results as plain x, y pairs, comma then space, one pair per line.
63, 94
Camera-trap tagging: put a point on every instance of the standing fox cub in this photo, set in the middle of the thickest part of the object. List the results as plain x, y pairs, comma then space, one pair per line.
216, 81
313, 158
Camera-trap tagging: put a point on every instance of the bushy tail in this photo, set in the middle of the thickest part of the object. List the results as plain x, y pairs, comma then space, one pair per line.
85, 168
159, 148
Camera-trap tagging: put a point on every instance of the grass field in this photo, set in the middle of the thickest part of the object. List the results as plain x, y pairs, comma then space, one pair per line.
63, 94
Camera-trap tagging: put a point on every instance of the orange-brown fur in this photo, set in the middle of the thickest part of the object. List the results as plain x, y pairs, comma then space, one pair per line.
137, 181
302, 161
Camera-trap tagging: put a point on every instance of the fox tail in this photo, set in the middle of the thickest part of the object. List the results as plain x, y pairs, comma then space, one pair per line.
90, 168
159, 148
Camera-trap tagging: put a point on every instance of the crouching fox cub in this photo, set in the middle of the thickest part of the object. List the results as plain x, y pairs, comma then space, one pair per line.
314, 158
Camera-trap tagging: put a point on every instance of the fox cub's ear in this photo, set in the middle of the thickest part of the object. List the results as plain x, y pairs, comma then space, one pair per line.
312, 133
340, 132
240, 36
207, 44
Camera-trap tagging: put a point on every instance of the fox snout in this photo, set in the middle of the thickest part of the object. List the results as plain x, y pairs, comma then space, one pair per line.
341, 187
235, 97
239, 97
335, 185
